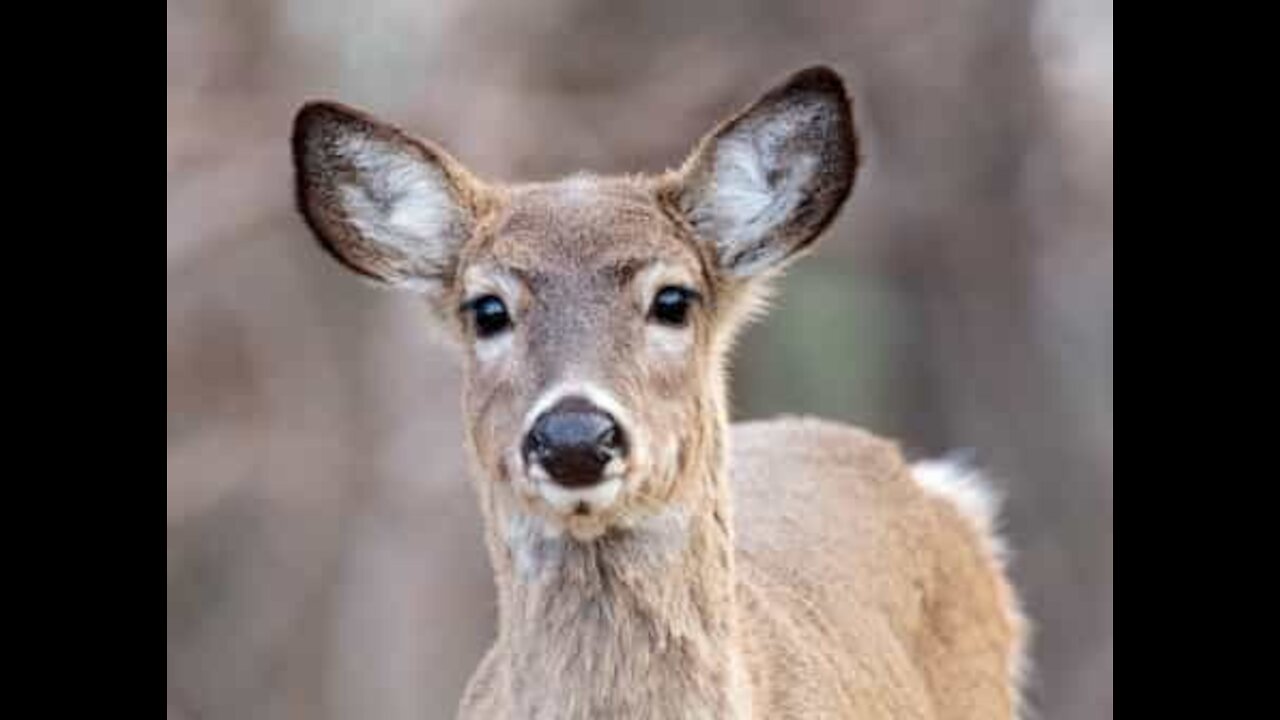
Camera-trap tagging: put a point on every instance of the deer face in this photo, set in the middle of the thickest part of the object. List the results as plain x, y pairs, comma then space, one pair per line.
588, 315
593, 313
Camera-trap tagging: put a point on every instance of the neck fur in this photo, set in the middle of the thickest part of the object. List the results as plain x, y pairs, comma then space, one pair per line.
639, 622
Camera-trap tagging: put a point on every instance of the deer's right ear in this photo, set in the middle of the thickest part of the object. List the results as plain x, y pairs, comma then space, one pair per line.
390, 207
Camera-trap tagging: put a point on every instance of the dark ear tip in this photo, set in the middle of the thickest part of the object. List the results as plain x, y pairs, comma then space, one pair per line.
824, 81
313, 112
817, 78
310, 118
316, 115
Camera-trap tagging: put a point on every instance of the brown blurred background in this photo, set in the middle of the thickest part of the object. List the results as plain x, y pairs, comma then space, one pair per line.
324, 546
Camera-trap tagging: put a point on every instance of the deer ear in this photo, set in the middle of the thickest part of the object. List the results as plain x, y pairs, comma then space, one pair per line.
763, 185
393, 208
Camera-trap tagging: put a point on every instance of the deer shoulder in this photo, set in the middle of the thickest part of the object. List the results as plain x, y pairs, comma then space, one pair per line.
895, 571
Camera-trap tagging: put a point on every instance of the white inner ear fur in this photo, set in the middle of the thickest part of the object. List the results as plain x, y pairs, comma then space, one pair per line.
400, 201
744, 207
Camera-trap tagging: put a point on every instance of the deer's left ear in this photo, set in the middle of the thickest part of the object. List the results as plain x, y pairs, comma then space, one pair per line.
768, 181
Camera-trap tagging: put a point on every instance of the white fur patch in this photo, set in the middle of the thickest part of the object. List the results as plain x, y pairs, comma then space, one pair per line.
596, 497
594, 394
968, 491
745, 205
398, 201
535, 544
489, 350
963, 487
668, 341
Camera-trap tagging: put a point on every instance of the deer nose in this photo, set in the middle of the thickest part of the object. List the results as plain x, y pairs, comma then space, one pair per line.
573, 441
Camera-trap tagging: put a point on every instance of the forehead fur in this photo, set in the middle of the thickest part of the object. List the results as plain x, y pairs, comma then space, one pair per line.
583, 222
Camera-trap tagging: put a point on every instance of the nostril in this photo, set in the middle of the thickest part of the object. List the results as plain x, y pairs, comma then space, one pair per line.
608, 439
535, 445
610, 443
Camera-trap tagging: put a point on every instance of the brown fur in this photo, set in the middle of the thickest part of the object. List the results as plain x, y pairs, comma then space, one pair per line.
789, 569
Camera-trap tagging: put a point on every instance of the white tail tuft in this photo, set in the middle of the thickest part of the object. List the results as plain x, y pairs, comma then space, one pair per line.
953, 478
963, 486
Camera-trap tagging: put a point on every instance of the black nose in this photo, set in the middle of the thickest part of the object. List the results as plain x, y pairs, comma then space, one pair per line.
573, 441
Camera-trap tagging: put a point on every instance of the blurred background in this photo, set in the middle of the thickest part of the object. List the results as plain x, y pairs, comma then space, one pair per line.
324, 546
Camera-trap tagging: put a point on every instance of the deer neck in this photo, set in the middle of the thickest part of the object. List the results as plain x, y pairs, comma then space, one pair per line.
637, 623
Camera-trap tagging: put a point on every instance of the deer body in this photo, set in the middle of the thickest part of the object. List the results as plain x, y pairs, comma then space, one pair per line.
650, 562
893, 608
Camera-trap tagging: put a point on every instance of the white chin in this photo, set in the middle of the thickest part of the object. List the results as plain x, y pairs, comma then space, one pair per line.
596, 498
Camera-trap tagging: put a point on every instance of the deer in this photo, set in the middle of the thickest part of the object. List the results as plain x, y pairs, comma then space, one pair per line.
651, 559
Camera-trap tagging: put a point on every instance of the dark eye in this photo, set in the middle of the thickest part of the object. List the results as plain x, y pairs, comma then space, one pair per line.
671, 306
489, 314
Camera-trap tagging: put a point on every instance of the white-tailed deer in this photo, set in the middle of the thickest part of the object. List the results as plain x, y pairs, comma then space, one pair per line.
651, 561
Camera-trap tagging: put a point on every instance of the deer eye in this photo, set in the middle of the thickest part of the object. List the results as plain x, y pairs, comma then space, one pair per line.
671, 306
488, 314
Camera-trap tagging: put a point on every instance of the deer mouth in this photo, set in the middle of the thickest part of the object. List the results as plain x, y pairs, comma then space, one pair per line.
579, 501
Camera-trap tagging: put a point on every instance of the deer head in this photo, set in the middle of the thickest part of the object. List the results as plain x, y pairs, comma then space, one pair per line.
594, 313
